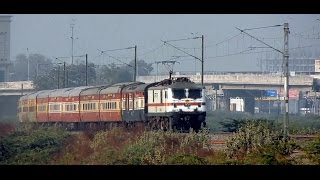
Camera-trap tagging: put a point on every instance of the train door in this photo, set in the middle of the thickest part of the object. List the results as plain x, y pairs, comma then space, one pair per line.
157, 100
164, 99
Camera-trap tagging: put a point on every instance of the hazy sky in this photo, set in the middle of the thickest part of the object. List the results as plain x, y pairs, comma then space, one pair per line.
50, 35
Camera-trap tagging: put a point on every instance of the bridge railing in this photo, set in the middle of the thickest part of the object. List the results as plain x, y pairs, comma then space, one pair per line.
17, 85
270, 79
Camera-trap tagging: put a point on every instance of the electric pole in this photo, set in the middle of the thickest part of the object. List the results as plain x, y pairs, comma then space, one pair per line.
28, 59
58, 76
67, 83
157, 71
135, 64
72, 26
64, 74
86, 69
285, 54
202, 39
286, 83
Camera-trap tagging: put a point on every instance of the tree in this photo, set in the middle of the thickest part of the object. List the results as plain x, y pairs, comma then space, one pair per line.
74, 76
38, 63
143, 68
111, 74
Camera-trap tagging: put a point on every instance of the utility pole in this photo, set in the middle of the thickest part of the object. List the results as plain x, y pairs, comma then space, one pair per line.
135, 64
58, 76
86, 69
64, 74
67, 83
157, 70
202, 39
286, 83
285, 54
72, 26
28, 63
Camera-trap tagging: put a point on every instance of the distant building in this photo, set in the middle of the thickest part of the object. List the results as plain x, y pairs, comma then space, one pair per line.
4, 47
295, 64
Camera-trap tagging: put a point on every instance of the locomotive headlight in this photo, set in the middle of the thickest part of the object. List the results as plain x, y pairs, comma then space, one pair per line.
174, 105
199, 104
203, 103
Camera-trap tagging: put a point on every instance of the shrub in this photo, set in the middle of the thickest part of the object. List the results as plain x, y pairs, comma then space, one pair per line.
186, 159
31, 147
313, 150
256, 142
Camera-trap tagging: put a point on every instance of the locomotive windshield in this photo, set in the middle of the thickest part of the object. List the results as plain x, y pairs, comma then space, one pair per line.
195, 93
187, 93
179, 93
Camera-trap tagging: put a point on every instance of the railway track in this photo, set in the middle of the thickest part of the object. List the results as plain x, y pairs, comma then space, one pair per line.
221, 137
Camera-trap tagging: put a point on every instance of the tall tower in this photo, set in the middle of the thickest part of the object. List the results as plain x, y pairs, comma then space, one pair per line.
4, 47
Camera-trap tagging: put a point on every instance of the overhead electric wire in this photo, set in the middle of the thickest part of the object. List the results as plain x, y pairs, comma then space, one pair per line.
260, 40
102, 52
259, 51
116, 49
262, 27
182, 39
181, 50
148, 52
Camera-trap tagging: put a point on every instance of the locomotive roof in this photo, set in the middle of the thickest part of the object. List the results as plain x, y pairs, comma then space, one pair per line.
184, 85
178, 85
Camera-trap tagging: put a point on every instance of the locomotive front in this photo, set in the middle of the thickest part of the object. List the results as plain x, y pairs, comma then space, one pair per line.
188, 105
180, 102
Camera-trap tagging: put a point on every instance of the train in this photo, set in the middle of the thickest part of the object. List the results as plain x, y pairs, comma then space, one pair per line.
171, 104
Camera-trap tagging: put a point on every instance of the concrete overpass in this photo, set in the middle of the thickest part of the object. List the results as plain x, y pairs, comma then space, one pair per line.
17, 88
245, 85
261, 81
10, 92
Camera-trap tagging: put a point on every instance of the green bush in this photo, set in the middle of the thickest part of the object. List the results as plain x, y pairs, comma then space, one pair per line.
256, 142
31, 147
313, 150
186, 159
